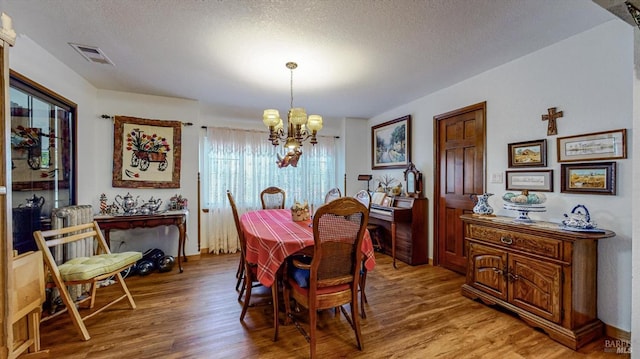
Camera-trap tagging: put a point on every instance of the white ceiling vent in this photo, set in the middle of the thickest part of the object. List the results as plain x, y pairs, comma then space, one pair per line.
92, 54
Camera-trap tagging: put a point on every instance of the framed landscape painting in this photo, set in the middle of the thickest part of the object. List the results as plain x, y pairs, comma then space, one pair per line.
391, 144
528, 154
591, 178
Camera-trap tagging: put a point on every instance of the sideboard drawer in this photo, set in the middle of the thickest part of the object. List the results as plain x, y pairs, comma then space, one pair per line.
546, 247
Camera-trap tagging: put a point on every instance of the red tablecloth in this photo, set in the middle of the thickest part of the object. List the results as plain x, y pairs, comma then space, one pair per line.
272, 236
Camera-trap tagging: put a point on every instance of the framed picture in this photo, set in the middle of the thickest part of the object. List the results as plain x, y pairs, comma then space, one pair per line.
607, 145
391, 144
592, 178
528, 154
536, 180
146, 153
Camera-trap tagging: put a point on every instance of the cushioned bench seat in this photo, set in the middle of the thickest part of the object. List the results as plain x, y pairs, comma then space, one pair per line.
84, 268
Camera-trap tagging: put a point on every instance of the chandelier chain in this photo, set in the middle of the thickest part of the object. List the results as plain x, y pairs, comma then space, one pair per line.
291, 87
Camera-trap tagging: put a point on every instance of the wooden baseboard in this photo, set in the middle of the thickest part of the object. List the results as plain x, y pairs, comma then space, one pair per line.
193, 257
204, 250
616, 333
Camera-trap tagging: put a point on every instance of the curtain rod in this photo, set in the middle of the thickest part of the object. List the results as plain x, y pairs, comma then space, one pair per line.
113, 117
250, 130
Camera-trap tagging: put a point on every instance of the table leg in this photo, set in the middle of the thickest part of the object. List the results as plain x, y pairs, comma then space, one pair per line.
393, 243
181, 245
107, 238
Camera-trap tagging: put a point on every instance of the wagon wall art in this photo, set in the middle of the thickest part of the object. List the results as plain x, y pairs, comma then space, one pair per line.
146, 153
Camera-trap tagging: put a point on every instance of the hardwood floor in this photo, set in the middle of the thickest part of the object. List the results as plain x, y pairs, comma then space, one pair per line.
413, 312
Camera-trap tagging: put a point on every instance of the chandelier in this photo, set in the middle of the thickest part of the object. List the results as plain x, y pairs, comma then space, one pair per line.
299, 128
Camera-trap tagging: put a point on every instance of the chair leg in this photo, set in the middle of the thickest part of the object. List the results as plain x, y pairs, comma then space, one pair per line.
313, 318
242, 287
276, 314
247, 297
240, 273
125, 290
363, 295
73, 311
356, 321
287, 300
94, 288
240, 266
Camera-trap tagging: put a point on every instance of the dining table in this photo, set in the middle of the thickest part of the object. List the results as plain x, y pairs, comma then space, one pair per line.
272, 235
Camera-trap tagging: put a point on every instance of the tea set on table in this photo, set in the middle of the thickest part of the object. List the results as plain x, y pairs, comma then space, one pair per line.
129, 205
579, 220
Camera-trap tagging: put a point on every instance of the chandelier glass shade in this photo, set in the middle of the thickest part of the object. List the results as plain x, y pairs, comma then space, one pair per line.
299, 127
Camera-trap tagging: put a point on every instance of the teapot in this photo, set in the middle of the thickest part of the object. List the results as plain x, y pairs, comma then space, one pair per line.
35, 202
127, 202
481, 201
154, 204
578, 219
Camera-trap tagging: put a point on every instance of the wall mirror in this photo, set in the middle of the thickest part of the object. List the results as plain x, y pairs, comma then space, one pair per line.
43, 128
413, 177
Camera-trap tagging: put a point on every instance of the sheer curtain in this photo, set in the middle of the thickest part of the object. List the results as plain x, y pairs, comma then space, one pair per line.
244, 162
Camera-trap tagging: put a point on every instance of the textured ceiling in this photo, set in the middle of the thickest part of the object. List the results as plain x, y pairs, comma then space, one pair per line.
356, 58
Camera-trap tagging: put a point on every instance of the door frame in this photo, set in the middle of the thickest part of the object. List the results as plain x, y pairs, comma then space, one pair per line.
436, 166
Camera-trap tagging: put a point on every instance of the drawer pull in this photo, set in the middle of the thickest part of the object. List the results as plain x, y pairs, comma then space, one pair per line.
506, 240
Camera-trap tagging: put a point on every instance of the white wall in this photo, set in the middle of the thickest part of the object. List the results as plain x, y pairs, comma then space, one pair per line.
150, 107
635, 198
589, 77
357, 137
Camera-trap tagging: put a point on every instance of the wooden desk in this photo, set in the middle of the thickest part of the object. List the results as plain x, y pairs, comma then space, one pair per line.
171, 218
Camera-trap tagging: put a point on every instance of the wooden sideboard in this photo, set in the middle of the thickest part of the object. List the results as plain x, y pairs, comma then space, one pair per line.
544, 274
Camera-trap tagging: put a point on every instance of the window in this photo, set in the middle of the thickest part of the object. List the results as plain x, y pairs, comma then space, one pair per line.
244, 162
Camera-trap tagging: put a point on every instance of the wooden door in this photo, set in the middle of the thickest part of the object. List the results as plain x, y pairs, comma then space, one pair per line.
459, 173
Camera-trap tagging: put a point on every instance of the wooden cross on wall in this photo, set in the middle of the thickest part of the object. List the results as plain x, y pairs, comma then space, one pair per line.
551, 117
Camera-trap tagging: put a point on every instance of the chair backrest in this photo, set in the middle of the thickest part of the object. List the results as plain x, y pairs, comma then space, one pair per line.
332, 194
69, 235
272, 197
236, 219
338, 232
364, 197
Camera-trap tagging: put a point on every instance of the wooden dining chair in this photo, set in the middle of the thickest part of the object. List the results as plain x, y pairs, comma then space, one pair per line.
84, 270
272, 198
364, 197
332, 194
334, 270
250, 277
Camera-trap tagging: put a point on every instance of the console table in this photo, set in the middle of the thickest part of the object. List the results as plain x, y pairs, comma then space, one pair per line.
545, 274
169, 218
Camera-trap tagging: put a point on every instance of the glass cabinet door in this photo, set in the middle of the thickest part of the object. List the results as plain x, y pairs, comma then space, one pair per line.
42, 157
